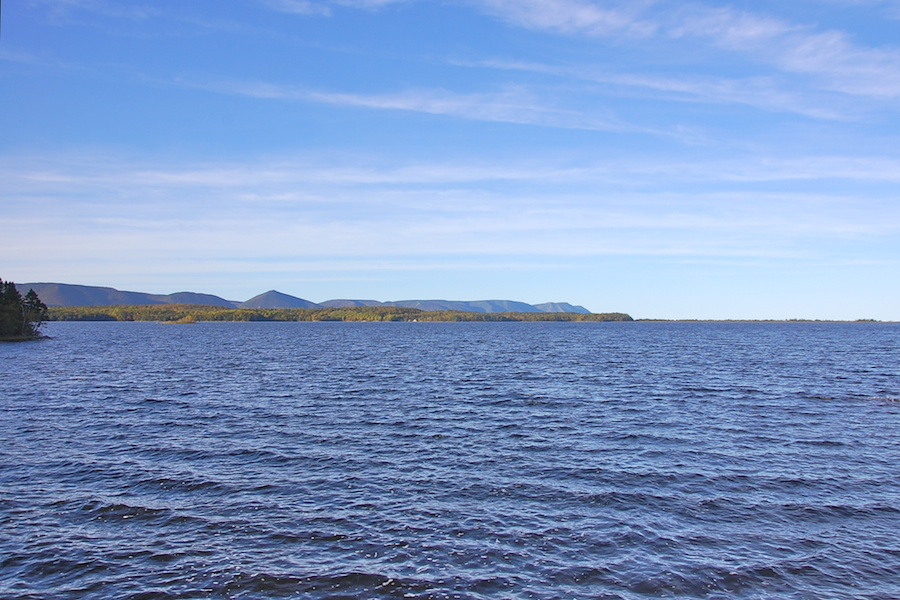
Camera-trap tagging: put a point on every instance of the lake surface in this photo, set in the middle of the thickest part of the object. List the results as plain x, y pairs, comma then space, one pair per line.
451, 460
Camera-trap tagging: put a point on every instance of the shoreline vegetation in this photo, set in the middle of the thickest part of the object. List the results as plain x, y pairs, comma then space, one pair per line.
193, 313
20, 318
182, 314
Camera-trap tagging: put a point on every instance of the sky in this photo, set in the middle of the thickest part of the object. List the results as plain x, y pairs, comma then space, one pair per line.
665, 159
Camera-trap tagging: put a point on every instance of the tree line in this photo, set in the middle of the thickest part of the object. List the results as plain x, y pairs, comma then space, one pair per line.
20, 318
189, 313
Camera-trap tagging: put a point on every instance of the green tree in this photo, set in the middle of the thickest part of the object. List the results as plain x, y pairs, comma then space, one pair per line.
20, 318
10, 309
35, 314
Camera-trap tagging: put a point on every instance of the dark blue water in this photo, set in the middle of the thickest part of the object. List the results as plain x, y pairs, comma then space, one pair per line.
451, 460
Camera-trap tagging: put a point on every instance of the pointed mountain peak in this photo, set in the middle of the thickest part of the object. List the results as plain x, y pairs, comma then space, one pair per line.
276, 299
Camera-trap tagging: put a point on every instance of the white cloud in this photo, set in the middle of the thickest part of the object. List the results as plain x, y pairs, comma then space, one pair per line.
368, 4
840, 65
569, 16
846, 68
193, 225
300, 7
513, 105
829, 56
309, 7
109, 9
303, 179
765, 93
736, 30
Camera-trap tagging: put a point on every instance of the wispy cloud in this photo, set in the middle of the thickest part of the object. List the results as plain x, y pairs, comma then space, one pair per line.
282, 179
730, 28
80, 218
60, 8
761, 92
840, 65
300, 7
571, 16
323, 7
829, 56
28, 58
369, 4
512, 105
145, 21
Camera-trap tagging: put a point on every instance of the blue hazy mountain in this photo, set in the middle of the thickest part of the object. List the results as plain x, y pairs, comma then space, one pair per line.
194, 298
273, 299
64, 294
485, 306
350, 303
561, 307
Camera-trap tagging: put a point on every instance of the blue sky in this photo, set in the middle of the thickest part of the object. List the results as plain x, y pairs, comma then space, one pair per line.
667, 159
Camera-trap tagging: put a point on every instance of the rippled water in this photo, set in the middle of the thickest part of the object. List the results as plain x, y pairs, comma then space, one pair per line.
451, 460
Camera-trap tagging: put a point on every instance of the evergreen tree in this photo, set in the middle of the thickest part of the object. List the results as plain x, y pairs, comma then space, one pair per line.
10, 310
35, 313
20, 318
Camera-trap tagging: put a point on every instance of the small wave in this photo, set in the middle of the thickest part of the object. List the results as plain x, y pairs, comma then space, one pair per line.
269, 585
827, 443
816, 397
119, 510
185, 485
708, 580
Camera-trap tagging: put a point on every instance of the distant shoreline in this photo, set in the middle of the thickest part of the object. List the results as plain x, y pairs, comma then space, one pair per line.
188, 313
194, 313
760, 321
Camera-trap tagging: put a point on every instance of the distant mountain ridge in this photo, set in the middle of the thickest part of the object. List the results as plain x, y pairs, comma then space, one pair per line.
65, 294
273, 299
486, 306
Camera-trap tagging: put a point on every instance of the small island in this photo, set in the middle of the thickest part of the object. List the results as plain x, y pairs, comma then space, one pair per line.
20, 318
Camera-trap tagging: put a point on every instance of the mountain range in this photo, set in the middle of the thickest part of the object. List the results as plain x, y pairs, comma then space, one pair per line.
64, 294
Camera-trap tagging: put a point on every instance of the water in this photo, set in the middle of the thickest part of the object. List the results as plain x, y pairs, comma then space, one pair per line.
451, 460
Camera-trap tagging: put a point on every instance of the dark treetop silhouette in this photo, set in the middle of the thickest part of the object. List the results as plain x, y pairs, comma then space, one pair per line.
20, 318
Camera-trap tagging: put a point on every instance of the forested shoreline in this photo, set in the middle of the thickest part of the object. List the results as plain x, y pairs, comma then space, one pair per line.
20, 318
191, 313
